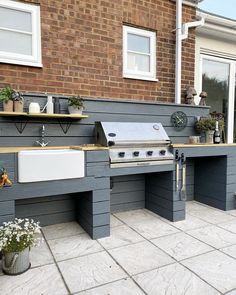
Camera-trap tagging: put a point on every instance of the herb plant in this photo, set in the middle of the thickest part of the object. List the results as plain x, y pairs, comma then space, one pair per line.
76, 101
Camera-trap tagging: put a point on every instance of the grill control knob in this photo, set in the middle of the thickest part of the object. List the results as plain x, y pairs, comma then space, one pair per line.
135, 154
121, 154
162, 152
149, 153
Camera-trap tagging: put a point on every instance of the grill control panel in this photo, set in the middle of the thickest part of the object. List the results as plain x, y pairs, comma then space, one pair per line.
122, 154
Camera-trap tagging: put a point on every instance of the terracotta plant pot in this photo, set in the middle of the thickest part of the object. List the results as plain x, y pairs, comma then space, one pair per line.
8, 106
18, 106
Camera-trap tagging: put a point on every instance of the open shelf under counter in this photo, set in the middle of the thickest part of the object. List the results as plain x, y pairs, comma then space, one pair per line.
65, 120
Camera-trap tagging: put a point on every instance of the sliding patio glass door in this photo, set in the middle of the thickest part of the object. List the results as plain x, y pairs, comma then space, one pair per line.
218, 80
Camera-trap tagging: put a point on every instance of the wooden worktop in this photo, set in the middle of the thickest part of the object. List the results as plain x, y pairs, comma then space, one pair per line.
84, 147
188, 145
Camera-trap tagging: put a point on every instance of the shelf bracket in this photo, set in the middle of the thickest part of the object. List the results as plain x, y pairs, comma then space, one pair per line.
20, 126
65, 126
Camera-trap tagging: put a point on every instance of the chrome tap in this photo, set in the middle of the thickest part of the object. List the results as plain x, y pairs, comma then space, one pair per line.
42, 143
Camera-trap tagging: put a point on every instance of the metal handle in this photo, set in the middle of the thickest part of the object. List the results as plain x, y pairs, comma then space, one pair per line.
177, 176
13, 261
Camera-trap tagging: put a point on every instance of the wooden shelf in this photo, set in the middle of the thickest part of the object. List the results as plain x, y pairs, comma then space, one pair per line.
65, 120
44, 115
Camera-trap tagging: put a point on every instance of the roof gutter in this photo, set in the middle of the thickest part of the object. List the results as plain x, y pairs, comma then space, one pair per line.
181, 34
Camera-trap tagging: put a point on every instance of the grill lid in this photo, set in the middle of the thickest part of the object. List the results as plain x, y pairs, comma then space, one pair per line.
130, 133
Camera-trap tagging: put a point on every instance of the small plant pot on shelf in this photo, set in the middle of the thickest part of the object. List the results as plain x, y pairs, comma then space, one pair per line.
15, 263
18, 106
8, 106
74, 110
209, 136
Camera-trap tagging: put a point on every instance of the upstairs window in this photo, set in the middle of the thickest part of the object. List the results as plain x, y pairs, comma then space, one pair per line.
139, 54
20, 38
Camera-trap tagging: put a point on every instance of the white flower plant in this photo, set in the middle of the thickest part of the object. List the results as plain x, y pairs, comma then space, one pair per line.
17, 235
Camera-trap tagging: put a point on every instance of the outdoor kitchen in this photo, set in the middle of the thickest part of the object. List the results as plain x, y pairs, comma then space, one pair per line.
131, 161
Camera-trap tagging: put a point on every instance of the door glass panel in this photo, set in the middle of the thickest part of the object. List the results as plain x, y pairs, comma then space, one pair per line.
235, 110
215, 81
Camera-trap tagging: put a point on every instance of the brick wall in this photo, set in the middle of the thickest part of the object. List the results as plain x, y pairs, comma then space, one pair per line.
82, 50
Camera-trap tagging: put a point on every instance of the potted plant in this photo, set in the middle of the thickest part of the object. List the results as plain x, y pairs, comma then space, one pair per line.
16, 238
7, 99
75, 105
18, 100
208, 125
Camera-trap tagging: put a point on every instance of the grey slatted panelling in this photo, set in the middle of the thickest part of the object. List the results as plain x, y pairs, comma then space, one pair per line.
98, 110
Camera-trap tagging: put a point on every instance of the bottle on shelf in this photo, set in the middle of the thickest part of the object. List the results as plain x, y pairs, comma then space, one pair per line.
50, 106
216, 136
57, 106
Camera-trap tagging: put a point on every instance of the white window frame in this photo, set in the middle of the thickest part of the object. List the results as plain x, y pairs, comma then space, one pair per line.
35, 59
135, 74
231, 97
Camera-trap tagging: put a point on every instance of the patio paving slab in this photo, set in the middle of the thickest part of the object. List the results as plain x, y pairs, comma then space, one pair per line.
62, 230
135, 216
231, 251
233, 292
140, 257
181, 246
74, 246
120, 236
153, 228
212, 216
173, 279
214, 236
216, 268
44, 280
189, 223
122, 287
90, 271
40, 255
115, 221
230, 225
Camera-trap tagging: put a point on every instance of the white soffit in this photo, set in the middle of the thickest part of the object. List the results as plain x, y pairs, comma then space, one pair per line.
218, 27
193, 3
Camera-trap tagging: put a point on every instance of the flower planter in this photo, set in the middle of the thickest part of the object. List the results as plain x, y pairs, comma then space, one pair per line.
18, 106
73, 110
8, 106
15, 263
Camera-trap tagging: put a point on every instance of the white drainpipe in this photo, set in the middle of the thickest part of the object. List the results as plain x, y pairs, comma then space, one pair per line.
178, 52
181, 34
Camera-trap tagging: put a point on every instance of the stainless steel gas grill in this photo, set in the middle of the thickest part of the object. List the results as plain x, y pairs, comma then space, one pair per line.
134, 144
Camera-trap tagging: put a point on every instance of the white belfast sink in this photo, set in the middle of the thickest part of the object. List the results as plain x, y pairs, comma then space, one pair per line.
43, 165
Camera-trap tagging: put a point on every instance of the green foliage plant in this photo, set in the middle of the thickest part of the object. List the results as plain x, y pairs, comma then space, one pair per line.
76, 101
6, 94
207, 124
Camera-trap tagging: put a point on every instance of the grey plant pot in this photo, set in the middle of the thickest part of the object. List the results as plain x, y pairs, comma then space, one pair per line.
15, 263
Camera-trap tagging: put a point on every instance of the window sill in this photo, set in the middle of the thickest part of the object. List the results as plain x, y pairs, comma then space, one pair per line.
21, 62
134, 77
